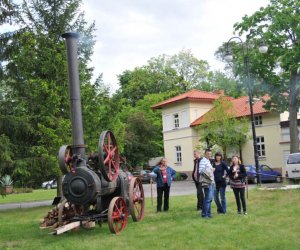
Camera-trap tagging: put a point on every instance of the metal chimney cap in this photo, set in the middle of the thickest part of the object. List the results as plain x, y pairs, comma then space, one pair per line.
70, 34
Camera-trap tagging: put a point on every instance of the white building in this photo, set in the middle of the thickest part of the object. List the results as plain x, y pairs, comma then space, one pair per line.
181, 115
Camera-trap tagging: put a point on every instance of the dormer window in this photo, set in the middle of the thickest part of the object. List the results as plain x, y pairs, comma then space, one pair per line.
176, 120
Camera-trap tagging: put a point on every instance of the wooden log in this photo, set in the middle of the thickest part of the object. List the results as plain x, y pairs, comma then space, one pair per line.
68, 227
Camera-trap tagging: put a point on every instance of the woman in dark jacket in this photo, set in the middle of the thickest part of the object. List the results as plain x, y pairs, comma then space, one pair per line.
237, 175
220, 172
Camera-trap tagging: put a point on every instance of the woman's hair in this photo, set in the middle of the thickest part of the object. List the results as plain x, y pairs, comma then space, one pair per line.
239, 160
163, 159
218, 154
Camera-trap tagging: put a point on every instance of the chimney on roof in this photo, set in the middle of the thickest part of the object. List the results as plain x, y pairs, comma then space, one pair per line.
219, 92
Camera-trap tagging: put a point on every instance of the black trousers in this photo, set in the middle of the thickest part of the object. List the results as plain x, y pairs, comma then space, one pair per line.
200, 195
165, 190
239, 194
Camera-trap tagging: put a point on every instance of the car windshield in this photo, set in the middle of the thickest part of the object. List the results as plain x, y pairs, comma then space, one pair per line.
294, 159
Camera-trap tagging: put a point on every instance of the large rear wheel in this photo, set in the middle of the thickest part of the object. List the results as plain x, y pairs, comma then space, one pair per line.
109, 159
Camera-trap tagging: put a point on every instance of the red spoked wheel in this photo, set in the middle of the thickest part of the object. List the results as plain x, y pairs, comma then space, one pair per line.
117, 215
136, 199
109, 159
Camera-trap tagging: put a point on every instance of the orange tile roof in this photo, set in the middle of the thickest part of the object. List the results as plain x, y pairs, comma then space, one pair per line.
193, 95
241, 108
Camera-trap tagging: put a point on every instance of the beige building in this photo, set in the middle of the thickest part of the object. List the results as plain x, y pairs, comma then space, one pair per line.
182, 114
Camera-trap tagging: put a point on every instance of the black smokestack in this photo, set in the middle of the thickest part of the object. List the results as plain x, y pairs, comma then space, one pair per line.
75, 102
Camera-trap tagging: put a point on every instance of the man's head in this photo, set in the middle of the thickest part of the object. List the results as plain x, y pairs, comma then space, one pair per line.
207, 153
197, 154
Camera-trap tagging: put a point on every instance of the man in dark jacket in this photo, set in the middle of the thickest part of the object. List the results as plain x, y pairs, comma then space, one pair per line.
195, 177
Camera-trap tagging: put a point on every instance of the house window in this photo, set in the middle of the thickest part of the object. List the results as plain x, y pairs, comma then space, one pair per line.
258, 120
260, 142
176, 121
178, 154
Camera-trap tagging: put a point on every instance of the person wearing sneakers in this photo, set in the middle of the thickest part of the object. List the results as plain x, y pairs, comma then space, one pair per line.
237, 176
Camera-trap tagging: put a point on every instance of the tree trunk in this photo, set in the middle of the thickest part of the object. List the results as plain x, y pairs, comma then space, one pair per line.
293, 110
240, 149
225, 155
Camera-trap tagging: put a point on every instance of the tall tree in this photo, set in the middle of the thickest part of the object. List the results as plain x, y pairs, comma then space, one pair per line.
277, 72
193, 72
177, 73
35, 107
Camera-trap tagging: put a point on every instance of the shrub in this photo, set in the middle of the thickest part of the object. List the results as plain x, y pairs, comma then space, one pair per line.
22, 190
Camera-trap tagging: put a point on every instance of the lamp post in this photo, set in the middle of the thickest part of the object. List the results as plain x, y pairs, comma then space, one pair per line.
228, 57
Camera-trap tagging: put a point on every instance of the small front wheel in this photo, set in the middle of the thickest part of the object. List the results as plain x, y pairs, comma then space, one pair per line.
117, 215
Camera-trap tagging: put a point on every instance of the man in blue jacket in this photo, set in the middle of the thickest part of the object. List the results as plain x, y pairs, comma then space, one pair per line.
164, 176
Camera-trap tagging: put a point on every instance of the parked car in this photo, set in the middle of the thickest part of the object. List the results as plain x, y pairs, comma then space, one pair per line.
266, 174
143, 175
49, 184
292, 167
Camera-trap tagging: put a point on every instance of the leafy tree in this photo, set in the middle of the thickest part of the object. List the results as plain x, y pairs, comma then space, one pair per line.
277, 72
177, 73
138, 128
141, 143
220, 127
35, 104
230, 85
193, 72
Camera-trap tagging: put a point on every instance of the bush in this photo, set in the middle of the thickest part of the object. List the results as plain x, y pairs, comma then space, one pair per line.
22, 190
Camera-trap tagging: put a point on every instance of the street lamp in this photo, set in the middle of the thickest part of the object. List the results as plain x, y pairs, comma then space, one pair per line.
229, 57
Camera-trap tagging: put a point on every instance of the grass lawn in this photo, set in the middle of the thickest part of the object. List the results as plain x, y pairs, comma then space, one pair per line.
273, 222
36, 195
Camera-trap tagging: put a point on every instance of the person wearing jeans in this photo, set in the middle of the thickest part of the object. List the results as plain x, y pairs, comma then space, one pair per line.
220, 172
207, 181
237, 175
208, 196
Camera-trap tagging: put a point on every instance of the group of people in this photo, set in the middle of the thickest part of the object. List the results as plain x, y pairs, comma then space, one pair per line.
210, 177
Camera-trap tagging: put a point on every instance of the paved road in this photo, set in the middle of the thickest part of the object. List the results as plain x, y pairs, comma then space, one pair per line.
178, 188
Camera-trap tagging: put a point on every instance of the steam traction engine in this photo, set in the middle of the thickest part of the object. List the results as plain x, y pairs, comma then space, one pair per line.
96, 190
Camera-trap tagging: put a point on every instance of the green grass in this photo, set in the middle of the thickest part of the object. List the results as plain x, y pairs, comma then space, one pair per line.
273, 222
36, 195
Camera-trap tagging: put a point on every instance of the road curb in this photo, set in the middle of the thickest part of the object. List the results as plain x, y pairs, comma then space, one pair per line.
25, 205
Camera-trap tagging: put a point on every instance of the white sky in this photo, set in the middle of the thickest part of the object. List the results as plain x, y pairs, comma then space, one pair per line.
130, 32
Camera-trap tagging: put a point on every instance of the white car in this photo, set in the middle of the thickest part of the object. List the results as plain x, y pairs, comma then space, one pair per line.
292, 168
49, 184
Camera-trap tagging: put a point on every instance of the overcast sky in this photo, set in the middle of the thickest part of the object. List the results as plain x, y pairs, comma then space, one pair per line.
130, 32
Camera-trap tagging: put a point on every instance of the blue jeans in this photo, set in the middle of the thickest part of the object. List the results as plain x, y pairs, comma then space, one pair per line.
221, 206
208, 195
